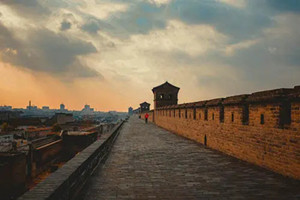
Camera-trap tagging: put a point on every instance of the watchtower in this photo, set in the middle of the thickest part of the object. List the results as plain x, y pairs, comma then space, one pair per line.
165, 95
145, 107
130, 111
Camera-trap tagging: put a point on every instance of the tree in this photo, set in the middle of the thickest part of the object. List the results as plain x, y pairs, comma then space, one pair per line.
4, 127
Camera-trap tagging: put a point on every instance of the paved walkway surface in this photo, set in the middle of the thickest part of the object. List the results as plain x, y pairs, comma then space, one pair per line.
148, 162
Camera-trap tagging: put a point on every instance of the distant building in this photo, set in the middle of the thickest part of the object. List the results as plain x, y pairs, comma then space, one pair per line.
5, 108
62, 107
31, 107
130, 111
145, 107
165, 95
6, 138
87, 110
137, 111
34, 132
88, 107
61, 118
8, 115
46, 108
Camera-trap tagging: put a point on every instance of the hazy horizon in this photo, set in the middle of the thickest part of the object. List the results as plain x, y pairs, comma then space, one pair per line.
111, 53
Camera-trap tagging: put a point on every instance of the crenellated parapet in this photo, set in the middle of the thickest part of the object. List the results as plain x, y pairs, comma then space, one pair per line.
273, 108
262, 128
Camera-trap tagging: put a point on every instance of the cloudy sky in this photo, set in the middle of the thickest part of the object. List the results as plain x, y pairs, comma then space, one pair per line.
111, 53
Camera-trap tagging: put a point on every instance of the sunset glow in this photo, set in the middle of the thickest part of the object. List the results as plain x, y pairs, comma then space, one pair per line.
110, 54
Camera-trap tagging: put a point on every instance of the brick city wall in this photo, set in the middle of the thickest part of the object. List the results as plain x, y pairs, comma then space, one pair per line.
151, 116
262, 128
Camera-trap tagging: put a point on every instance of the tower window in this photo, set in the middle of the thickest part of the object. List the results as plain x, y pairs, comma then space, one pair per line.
213, 116
194, 112
161, 96
186, 113
232, 117
170, 96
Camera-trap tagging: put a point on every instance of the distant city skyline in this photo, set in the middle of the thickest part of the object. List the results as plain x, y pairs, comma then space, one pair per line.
111, 53
61, 106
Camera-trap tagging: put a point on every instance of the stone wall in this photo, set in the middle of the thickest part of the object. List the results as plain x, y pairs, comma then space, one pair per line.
67, 182
44, 156
151, 116
262, 128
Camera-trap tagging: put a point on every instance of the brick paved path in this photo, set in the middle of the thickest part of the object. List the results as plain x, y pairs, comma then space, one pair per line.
148, 162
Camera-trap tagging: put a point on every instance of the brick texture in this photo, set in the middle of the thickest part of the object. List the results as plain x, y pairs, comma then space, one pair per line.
261, 139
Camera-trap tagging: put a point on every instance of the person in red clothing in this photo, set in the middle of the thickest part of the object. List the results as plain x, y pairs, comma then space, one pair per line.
146, 118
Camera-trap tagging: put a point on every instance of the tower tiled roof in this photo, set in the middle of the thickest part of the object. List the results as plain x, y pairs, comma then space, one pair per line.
145, 103
166, 84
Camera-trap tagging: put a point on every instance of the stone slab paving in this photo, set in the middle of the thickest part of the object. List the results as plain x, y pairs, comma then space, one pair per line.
148, 162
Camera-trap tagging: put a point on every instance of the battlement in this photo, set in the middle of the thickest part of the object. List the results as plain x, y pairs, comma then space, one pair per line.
269, 96
262, 128
235, 100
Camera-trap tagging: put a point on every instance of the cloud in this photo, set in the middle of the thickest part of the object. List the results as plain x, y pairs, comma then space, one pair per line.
235, 3
270, 61
238, 23
101, 9
278, 46
145, 16
65, 25
139, 17
91, 26
216, 47
193, 40
46, 51
284, 38
231, 49
286, 5
6, 39
160, 2
27, 8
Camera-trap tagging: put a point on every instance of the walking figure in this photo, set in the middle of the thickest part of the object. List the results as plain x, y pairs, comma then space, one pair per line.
146, 118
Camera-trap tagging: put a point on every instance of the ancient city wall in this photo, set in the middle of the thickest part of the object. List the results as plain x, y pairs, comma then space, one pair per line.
262, 128
151, 116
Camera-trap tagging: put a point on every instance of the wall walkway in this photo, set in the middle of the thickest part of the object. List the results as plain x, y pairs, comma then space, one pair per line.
148, 162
